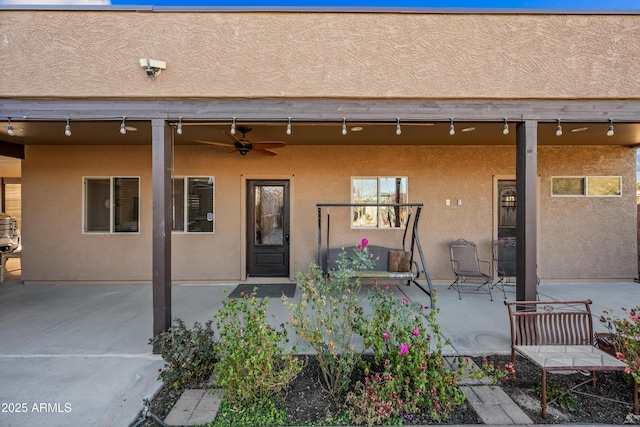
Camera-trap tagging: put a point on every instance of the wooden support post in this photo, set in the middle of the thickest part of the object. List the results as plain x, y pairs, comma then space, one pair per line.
162, 224
527, 207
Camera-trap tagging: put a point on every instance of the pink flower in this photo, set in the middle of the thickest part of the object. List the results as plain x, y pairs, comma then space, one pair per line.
359, 247
416, 332
405, 300
404, 348
365, 242
385, 336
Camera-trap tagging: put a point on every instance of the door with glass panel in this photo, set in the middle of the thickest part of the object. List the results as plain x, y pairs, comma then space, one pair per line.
268, 228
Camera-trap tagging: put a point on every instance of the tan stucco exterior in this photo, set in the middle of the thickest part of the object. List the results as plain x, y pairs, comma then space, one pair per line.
362, 55
94, 54
572, 231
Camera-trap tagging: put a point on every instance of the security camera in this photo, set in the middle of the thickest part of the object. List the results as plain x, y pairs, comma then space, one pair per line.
153, 67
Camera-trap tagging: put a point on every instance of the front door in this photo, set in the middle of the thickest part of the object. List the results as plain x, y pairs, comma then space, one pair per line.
268, 228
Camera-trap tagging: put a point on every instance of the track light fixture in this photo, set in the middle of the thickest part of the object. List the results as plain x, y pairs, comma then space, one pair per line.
344, 126
67, 128
505, 129
610, 131
233, 126
559, 129
452, 128
10, 131
289, 127
123, 127
179, 128
398, 129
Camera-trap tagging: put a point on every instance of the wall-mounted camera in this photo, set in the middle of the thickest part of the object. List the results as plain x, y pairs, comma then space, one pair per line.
153, 67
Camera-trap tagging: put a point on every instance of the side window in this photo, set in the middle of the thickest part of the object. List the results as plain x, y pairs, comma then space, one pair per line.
379, 191
111, 205
193, 204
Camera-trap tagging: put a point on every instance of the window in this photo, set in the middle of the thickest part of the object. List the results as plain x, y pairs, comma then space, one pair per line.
193, 202
111, 205
379, 190
589, 186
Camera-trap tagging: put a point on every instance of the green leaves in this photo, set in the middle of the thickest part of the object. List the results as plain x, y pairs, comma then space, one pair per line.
252, 365
188, 354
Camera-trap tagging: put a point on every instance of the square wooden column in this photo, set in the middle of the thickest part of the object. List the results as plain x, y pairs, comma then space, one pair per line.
527, 209
162, 225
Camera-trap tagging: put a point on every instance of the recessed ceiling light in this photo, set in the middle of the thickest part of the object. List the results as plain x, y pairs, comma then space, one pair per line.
469, 129
357, 129
131, 128
579, 129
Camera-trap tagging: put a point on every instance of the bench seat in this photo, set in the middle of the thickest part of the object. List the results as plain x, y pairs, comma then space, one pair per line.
380, 270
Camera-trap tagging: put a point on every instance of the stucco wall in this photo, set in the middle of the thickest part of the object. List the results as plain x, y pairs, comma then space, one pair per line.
319, 55
572, 232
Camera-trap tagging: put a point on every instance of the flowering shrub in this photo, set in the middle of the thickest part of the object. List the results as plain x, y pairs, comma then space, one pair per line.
325, 315
188, 354
626, 340
252, 365
494, 373
407, 348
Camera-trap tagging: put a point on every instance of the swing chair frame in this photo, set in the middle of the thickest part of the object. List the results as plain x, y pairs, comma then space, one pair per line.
326, 254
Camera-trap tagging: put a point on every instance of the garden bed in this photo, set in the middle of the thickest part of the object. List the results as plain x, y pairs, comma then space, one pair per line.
307, 402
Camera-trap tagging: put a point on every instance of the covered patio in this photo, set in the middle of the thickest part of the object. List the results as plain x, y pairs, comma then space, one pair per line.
84, 348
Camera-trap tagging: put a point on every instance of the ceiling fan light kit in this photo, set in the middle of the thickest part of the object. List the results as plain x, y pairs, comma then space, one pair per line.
244, 146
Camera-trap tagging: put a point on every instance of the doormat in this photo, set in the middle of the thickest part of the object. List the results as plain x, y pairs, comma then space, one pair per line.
271, 290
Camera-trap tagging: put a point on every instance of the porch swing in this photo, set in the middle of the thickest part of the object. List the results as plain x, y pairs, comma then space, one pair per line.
397, 264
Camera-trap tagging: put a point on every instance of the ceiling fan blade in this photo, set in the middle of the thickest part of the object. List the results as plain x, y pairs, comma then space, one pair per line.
221, 144
268, 144
231, 136
264, 152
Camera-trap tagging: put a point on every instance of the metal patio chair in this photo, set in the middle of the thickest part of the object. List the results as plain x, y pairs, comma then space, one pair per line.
466, 267
504, 262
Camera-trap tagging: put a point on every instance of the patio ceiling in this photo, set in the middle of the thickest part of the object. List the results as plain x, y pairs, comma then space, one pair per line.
319, 122
320, 133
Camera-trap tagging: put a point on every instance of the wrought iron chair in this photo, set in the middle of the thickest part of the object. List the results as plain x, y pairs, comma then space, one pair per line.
504, 262
466, 267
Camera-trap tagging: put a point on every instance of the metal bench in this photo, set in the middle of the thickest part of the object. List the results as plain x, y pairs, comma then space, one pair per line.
558, 336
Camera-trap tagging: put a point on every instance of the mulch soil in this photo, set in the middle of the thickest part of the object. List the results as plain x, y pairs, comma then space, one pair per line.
307, 401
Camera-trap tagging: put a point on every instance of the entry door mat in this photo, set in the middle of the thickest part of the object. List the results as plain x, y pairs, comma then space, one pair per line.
271, 290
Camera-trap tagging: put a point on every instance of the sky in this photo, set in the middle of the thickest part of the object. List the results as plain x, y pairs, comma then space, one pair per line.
483, 4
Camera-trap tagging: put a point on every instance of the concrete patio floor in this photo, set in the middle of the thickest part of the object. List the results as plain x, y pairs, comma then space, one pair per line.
79, 355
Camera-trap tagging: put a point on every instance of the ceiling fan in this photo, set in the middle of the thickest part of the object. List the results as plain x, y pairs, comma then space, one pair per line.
243, 146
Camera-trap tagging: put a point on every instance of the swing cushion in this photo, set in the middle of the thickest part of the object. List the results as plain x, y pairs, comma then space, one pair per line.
399, 261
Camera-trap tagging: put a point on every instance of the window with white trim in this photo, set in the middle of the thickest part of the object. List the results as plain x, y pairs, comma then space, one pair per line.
111, 205
193, 204
379, 190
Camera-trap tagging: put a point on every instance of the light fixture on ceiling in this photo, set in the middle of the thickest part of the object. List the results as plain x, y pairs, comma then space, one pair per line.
153, 67
179, 128
10, 131
67, 128
344, 126
559, 129
398, 128
289, 127
233, 126
505, 129
123, 127
610, 131
452, 128
356, 129
580, 129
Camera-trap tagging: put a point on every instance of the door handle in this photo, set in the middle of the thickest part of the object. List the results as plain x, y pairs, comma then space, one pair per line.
286, 237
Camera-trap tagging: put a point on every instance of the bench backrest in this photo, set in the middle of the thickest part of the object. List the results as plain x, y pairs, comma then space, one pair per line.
550, 323
380, 255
